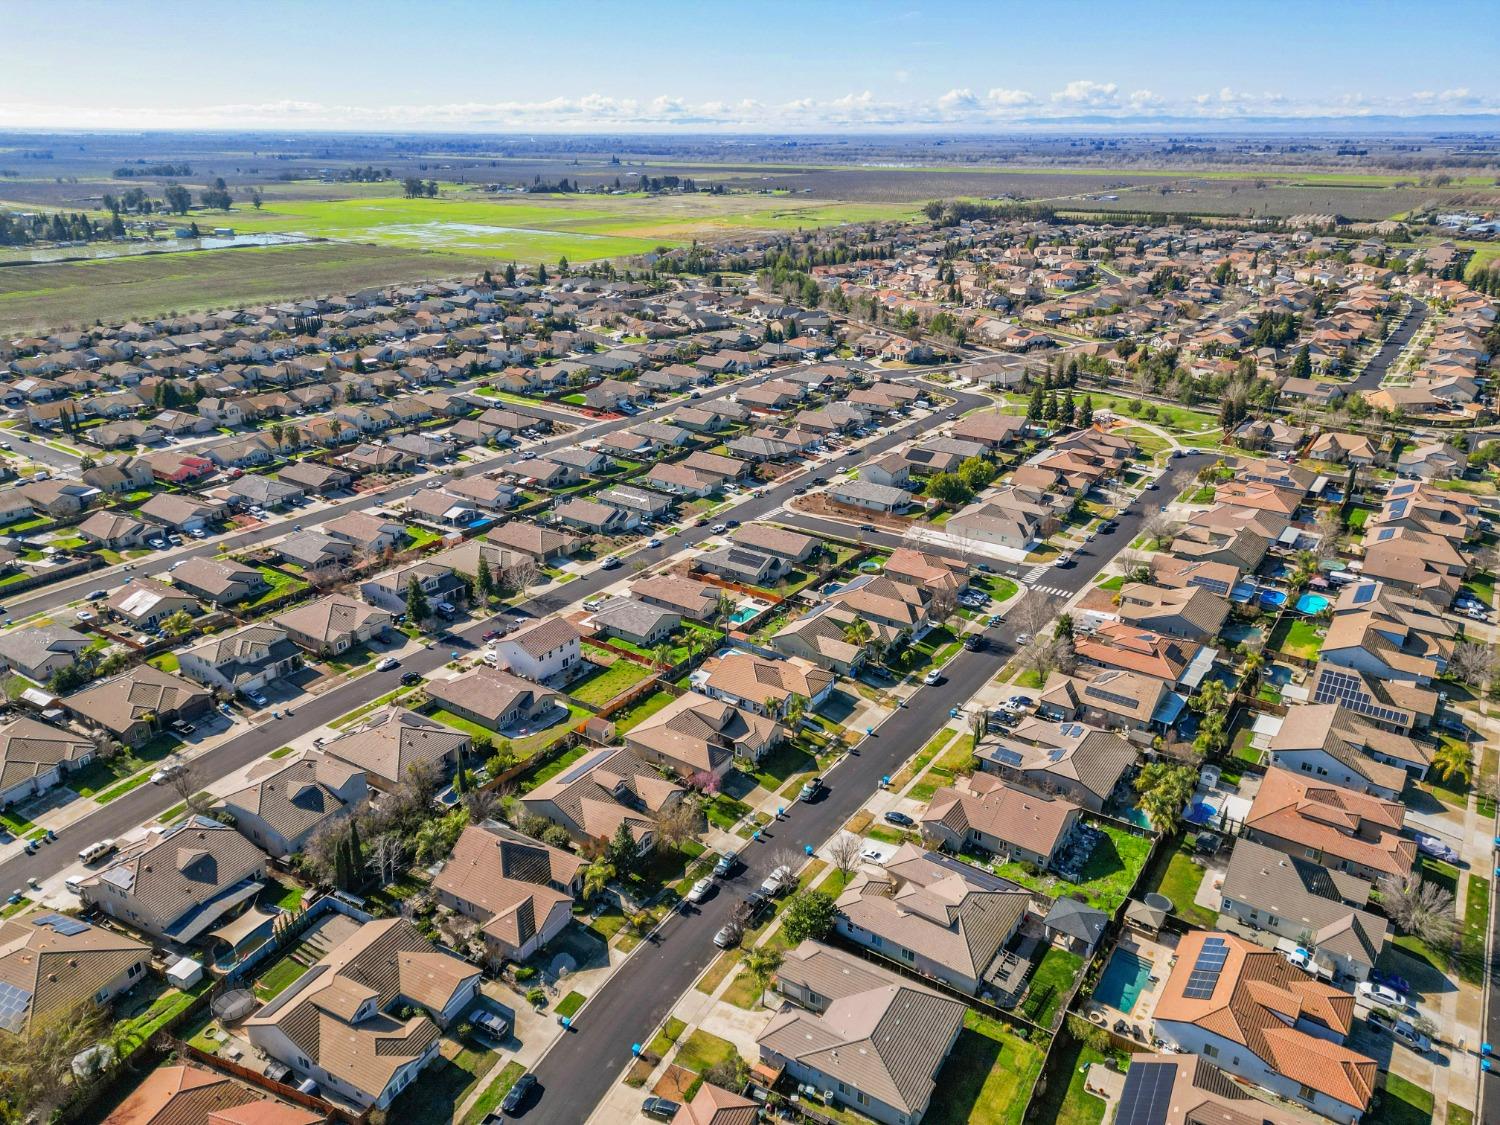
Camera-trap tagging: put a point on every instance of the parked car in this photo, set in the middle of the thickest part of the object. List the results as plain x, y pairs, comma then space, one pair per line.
1390, 980
726, 864
97, 595
1063, 560
701, 889
933, 677
810, 789
611, 562
1411, 1037
653, 542
728, 935
899, 819
1436, 848
519, 1093
719, 528
660, 1108
778, 881
492, 1024
182, 728
386, 663
411, 678
1372, 993
975, 642
167, 773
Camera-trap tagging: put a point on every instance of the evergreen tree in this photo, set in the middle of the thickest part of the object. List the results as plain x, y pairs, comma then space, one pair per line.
1302, 364
1086, 411
416, 602
1034, 407
1065, 412
483, 580
1049, 407
510, 274
541, 273
356, 850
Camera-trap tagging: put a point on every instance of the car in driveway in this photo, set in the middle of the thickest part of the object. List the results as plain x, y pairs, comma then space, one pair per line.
493, 1024
1432, 846
386, 664
1385, 997
899, 819
662, 1109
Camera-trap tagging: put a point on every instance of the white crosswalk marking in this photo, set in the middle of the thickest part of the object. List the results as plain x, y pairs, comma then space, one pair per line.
1054, 591
1034, 573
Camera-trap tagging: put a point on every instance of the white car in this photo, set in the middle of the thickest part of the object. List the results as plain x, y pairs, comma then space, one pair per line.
385, 664
1372, 993
701, 889
932, 677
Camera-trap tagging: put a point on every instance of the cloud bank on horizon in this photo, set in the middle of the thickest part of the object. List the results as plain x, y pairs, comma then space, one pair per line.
1078, 101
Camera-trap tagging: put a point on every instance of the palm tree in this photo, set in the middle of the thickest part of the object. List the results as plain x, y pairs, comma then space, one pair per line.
1212, 697
761, 962
1452, 760
858, 632
796, 707
661, 653
596, 878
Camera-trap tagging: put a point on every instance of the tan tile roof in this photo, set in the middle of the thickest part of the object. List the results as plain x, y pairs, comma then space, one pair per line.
756, 678
395, 738
888, 1039
987, 804
29, 747
119, 702
59, 970
299, 794
507, 882
329, 618
702, 733
491, 694
1256, 1000
192, 1095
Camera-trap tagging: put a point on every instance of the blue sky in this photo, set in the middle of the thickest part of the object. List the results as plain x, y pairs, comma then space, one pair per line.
748, 65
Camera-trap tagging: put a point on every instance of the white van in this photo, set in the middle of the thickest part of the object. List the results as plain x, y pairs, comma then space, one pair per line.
95, 852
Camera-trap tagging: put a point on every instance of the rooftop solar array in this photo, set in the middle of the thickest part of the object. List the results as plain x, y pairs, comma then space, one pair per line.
1364, 592
64, 925
1205, 975
1147, 1094
13, 1004
1345, 689
1009, 757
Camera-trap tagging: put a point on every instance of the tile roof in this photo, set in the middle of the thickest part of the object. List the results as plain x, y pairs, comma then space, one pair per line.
394, 738
29, 747
59, 962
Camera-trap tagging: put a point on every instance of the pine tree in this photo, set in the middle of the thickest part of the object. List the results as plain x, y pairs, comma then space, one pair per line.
1049, 407
1086, 411
1034, 407
356, 851
416, 602
483, 580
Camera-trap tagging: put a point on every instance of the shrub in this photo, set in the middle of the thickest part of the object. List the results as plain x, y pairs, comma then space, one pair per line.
525, 973
536, 997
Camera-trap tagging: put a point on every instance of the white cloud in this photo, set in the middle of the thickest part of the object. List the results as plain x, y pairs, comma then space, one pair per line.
958, 100
1144, 99
1088, 94
1010, 99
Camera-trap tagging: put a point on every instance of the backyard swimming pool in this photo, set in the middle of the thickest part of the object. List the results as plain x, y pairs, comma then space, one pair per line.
1312, 604
1272, 597
1123, 981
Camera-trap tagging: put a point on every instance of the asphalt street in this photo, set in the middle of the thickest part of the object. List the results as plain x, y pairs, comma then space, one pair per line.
1370, 378
143, 803
580, 1068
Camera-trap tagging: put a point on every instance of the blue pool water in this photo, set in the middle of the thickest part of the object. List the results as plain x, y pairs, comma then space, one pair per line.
1242, 592
743, 614
1201, 812
1123, 981
1272, 597
1279, 674
1311, 604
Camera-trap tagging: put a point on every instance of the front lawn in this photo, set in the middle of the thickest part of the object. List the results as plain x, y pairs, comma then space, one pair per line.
98, 776
1482, 586
1476, 926
494, 1093
953, 760
1404, 1103
702, 1050
525, 747
440, 1088
987, 1077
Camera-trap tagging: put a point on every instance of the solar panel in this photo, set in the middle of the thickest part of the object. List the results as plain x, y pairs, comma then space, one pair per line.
1009, 757
1364, 592
62, 924
13, 1004
1205, 975
1147, 1095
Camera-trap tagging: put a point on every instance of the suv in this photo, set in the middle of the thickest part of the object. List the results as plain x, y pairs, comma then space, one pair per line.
810, 789
778, 881
726, 863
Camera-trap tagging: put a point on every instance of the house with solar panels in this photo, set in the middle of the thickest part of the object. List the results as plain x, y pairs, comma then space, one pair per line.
1177, 1089
51, 963
1252, 1013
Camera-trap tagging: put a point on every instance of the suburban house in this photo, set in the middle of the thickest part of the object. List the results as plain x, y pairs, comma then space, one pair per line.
544, 546
769, 540
333, 625
519, 890
138, 703
762, 685
438, 583
1292, 898
286, 802
41, 651
742, 565
943, 919
604, 789
178, 512
870, 497
635, 621
220, 581
35, 756
1254, 1014
1111, 697
695, 734
868, 1038
112, 529
1341, 829
173, 1094
1191, 612
244, 661
684, 596
54, 963
311, 476
366, 533
494, 699
145, 603
984, 813
1073, 760
346, 1023
541, 651
1331, 743
386, 745
177, 883
312, 550
1171, 1089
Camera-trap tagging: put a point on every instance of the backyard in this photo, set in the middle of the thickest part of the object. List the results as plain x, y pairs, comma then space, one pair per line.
1297, 637
1180, 879
1107, 877
987, 1077
607, 680
1050, 984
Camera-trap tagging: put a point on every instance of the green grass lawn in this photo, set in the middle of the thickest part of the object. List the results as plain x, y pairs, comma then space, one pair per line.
282, 586
703, 1049
641, 710
279, 892
1106, 878
166, 662
434, 1098
138, 1029
1068, 1103
1296, 636
1180, 882
569, 1004
1476, 926
949, 763
934, 744
987, 1076
1050, 982
1115, 583
524, 747
279, 977
98, 776
1404, 1103
1482, 586
606, 683
494, 1093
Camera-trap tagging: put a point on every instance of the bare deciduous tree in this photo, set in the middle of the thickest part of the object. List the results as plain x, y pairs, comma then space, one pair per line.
1160, 527
185, 784
1421, 908
36, 1068
1047, 654
844, 850
1473, 662
676, 824
521, 574
387, 856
